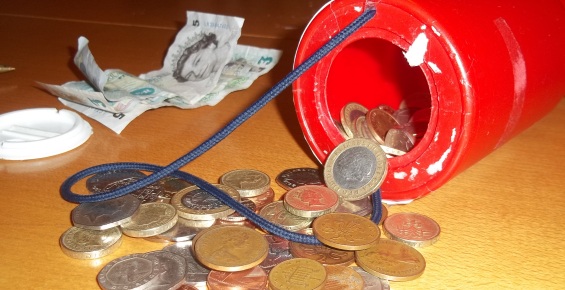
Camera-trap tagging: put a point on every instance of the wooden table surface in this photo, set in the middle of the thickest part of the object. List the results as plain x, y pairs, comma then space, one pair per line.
500, 218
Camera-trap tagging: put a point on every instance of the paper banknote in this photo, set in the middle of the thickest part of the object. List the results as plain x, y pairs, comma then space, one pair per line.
115, 97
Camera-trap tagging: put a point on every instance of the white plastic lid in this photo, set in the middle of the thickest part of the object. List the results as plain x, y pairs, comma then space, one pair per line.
36, 133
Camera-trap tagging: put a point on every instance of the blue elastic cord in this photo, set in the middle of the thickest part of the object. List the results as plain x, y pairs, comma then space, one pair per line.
173, 168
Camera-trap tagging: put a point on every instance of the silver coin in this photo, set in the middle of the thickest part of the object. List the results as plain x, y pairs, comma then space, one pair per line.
360, 207
173, 271
196, 274
182, 231
371, 282
106, 214
149, 193
172, 185
131, 272
195, 203
278, 252
355, 168
275, 212
294, 177
99, 181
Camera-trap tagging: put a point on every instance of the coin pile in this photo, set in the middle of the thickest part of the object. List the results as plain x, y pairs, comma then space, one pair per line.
209, 246
396, 131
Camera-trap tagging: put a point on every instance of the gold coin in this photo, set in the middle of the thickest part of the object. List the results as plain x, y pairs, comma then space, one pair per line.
346, 231
348, 114
355, 168
153, 218
297, 274
391, 260
322, 253
248, 182
231, 248
82, 243
342, 278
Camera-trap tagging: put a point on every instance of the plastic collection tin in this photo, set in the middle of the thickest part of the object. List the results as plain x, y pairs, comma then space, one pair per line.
486, 70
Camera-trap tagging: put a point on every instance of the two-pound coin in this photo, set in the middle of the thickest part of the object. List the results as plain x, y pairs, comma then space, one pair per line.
413, 229
346, 231
355, 169
391, 260
153, 218
82, 243
276, 213
298, 274
105, 214
294, 177
230, 248
251, 279
194, 203
311, 200
248, 182
342, 278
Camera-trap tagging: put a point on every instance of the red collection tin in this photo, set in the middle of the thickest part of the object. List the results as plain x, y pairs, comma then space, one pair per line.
486, 70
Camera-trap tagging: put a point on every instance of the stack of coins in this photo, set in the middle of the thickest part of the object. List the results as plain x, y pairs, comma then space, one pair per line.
209, 246
396, 131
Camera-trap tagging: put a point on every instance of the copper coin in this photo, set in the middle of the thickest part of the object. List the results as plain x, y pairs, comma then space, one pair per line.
348, 114
399, 139
391, 260
346, 231
379, 123
412, 229
251, 279
342, 278
298, 274
310, 200
263, 199
231, 248
322, 254
294, 177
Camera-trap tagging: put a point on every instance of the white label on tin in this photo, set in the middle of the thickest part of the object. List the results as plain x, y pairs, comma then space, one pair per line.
413, 173
357, 8
434, 67
416, 51
400, 175
438, 166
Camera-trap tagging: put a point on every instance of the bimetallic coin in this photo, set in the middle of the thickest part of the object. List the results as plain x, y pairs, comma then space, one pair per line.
391, 260
275, 212
81, 243
322, 253
413, 229
294, 177
355, 169
298, 274
361, 129
133, 271
194, 203
231, 248
342, 278
153, 218
346, 231
371, 282
310, 200
250, 279
173, 270
196, 273
106, 214
348, 114
248, 182
379, 122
